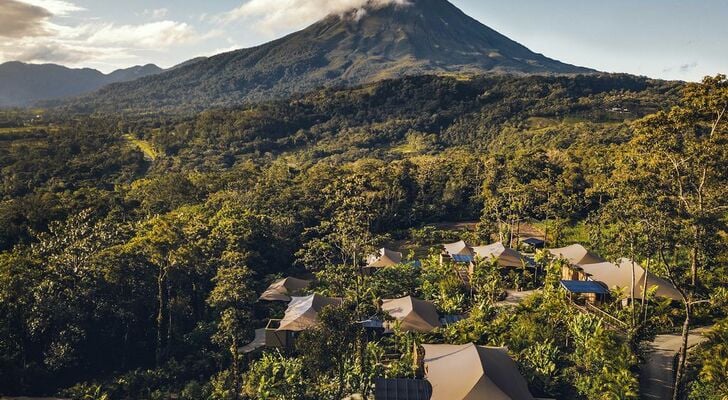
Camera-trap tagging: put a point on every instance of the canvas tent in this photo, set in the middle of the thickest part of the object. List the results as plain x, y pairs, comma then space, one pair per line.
619, 276
413, 314
470, 372
283, 289
458, 249
576, 254
384, 258
506, 257
302, 312
593, 292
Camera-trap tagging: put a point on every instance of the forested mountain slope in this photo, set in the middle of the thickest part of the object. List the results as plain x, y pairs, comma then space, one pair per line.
380, 42
23, 85
128, 276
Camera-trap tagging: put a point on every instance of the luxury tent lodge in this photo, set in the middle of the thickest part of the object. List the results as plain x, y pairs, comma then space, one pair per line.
458, 252
383, 258
302, 314
412, 315
460, 372
283, 289
575, 254
592, 292
507, 258
584, 266
462, 253
618, 276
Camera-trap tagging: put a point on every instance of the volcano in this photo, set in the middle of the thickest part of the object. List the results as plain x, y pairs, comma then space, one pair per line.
360, 46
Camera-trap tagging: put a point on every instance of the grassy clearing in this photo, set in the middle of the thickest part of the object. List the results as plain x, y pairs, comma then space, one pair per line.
22, 129
144, 146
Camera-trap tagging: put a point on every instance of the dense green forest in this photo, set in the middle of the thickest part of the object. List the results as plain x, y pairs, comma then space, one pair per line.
134, 245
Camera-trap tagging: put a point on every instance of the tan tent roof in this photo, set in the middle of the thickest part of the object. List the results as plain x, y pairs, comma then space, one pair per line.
302, 312
576, 254
413, 314
470, 372
458, 248
283, 289
506, 257
384, 258
620, 276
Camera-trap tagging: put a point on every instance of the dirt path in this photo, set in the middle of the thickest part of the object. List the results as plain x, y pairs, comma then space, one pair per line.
656, 375
515, 298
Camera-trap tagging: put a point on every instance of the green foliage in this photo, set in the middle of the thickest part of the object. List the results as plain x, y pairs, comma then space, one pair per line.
138, 277
441, 284
487, 280
712, 364
275, 377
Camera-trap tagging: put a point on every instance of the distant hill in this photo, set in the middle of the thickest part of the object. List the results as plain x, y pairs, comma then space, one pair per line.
424, 37
24, 84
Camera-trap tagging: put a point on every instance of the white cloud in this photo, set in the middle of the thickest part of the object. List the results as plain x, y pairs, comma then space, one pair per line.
282, 15
158, 13
56, 7
151, 35
34, 35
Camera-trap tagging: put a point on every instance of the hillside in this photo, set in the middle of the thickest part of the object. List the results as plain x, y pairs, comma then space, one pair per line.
424, 37
24, 84
109, 221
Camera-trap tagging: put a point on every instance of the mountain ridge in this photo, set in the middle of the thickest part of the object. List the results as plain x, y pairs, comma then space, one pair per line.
24, 84
349, 49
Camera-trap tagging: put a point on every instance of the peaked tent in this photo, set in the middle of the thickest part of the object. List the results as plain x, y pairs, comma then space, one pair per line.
620, 276
458, 249
506, 257
413, 314
470, 372
576, 254
302, 312
282, 290
384, 258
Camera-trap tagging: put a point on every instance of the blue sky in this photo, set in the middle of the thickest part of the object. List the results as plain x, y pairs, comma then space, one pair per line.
667, 39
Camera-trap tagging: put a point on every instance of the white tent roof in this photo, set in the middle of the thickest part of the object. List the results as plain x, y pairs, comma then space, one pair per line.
302, 312
282, 290
506, 257
619, 276
576, 254
458, 249
413, 314
470, 372
384, 258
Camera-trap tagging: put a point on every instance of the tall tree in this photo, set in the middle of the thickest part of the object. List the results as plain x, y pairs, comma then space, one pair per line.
675, 165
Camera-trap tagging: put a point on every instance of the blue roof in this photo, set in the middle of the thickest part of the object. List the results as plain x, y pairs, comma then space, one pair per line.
402, 389
462, 259
584, 287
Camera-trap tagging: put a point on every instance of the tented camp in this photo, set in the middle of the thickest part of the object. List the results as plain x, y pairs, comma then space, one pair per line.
473, 372
383, 258
459, 252
283, 289
302, 313
576, 254
619, 276
413, 314
590, 291
507, 258
458, 248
